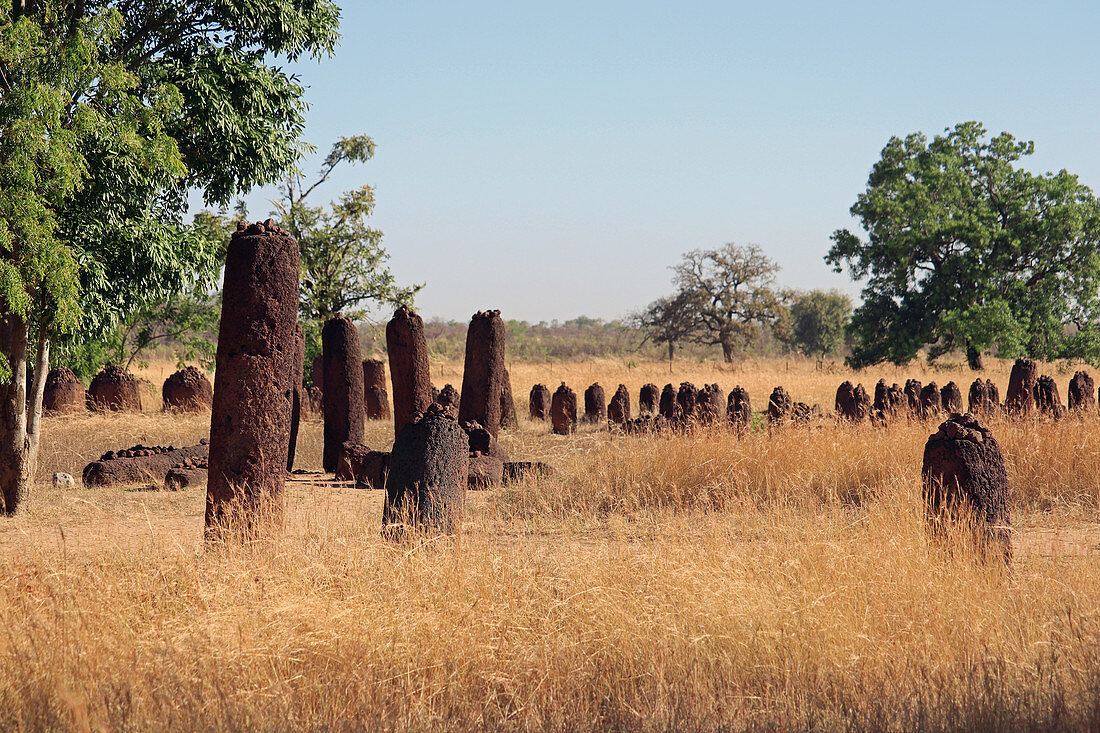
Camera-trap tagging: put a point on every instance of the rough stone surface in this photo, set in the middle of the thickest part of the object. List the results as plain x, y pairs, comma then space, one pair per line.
710, 405
964, 478
1020, 397
486, 472
563, 410
187, 390
482, 441
845, 403
448, 397
299, 403
977, 399
343, 388
508, 419
139, 464
649, 400
686, 398
539, 402
376, 396
951, 398
912, 392
190, 474
63, 481
1047, 400
739, 409
880, 402
1081, 396
930, 401
618, 409
518, 470
367, 468
250, 417
65, 393
483, 374
994, 394
316, 402
428, 475
779, 406
116, 390
595, 404
410, 374
317, 372
670, 406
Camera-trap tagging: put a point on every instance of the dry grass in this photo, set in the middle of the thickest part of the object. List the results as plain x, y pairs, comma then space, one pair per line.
780, 581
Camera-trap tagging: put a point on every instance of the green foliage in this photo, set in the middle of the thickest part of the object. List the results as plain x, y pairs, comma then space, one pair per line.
817, 321
343, 261
729, 295
966, 249
669, 321
111, 110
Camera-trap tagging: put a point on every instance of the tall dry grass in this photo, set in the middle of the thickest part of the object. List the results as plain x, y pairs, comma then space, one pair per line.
779, 581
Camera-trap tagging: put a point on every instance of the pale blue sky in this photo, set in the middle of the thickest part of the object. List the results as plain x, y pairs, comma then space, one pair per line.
554, 159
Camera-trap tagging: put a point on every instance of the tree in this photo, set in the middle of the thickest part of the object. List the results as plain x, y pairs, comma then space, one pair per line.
666, 321
343, 262
818, 319
967, 250
109, 111
730, 294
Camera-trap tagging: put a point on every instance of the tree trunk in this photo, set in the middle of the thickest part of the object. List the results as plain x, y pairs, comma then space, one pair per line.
18, 439
671, 351
727, 351
974, 359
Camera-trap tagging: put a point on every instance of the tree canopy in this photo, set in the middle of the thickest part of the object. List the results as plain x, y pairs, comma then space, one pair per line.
966, 249
817, 321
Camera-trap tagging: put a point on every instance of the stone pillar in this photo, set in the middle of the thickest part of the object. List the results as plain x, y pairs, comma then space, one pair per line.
739, 409
977, 401
649, 400
1020, 398
779, 407
539, 402
710, 405
250, 418
447, 397
563, 410
508, 420
964, 479
595, 404
297, 394
1081, 397
343, 388
428, 473
951, 398
685, 398
618, 410
845, 402
187, 390
116, 390
376, 397
410, 375
64, 393
930, 401
912, 396
670, 406
1047, 400
483, 371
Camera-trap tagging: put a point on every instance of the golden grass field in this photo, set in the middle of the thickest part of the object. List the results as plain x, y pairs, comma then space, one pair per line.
689, 582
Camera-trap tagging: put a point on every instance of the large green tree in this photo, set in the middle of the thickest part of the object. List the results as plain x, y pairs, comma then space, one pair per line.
110, 111
817, 321
967, 250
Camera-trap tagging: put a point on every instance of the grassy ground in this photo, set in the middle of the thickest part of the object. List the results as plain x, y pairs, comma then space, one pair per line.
781, 581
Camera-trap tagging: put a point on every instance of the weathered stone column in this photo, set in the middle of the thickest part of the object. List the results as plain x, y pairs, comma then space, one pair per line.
1081, 397
951, 398
250, 418
187, 390
297, 394
483, 372
428, 474
563, 410
1020, 397
376, 396
65, 393
670, 406
739, 409
965, 480
410, 375
618, 410
539, 402
595, 404
116, 390
649, 400
508, 420
343, 388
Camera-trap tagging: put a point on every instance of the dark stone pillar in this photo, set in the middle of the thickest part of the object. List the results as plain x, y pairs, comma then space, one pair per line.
375, 395
483, 372
410, 375
250, 418
343, 388
563, 410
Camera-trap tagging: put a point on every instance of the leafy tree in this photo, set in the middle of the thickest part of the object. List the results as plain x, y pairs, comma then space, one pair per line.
965, 249
343, 262
817, 321
109, 111
667, 321
730, 295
